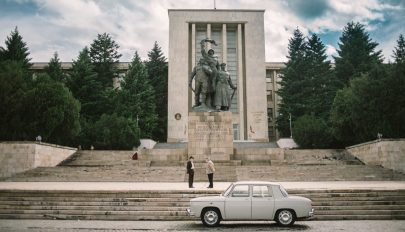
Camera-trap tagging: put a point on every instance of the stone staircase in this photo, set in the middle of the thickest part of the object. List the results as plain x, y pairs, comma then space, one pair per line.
317, 173
113, 166
171, 205
298, 166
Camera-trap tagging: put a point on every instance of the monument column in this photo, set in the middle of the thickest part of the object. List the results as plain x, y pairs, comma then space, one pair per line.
208, 35
241, 86
193, 51
224, 45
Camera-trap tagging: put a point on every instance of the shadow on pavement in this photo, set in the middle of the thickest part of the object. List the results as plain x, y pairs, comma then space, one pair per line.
245, 226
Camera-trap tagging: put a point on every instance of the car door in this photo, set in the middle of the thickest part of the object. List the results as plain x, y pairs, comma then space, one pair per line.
238, 203
262, 202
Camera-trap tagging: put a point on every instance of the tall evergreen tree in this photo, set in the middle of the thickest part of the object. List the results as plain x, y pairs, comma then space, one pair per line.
158, 73
357, 53
399, 50
394, 89
136, 99
86, 87
105, 57
319, 87
292, 83
308, 88
54, 69
13, 87
16, 50
320, 78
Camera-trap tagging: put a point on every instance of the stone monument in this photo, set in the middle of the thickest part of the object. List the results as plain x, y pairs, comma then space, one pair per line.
210, 132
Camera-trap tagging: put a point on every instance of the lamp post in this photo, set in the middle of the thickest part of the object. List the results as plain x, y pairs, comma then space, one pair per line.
137, 125
290, 125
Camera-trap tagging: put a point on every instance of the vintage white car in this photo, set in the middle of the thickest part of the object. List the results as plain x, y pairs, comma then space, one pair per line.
251, 201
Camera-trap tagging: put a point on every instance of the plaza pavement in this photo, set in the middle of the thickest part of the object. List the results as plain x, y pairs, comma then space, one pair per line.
187, 226
218, 186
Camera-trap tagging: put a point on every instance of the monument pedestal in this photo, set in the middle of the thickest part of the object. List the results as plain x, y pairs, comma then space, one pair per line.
210, 134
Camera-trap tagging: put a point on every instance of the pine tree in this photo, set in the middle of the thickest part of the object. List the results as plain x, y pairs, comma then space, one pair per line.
318, 91
54, 69
399, 50
356, 52
104, 55
13, 87
158, 72
307, 92
394, 88
136, 99
16, 50
86, 87
320, 78
291, 91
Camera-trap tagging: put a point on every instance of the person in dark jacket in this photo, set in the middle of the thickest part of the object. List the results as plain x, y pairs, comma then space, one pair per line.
190, 171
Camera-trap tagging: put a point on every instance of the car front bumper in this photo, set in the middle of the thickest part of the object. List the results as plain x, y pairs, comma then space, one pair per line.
189, 212
311, 213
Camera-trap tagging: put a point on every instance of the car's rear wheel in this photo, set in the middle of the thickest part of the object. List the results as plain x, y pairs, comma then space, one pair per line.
285, 217
210, 217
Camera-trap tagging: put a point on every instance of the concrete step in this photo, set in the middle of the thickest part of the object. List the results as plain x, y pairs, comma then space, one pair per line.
362, 212
256, 162
111, 204
171, 205
317, 173
358, 217
227, 171
98, 217
359, 207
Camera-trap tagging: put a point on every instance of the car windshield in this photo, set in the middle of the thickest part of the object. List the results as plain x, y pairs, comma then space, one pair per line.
283, 191
227, 190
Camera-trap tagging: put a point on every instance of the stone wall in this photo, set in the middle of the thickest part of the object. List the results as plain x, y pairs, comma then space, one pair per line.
286, 156
256, 154
163, 154
18, 157
389, 153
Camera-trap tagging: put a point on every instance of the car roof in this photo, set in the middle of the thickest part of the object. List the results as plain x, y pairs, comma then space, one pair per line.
256, 182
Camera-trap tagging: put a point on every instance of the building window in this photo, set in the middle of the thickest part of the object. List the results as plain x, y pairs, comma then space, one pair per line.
235, 131
271, 132
269, 114
232, 61
269, 75
269, 85
269, 95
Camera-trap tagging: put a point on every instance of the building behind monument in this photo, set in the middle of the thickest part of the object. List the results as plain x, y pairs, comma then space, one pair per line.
240, 38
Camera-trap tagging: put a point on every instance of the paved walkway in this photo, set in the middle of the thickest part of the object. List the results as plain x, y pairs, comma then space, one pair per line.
242, 226
218, 186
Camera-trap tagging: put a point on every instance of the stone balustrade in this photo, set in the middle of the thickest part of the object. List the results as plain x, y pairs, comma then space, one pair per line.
18, 157
389, 153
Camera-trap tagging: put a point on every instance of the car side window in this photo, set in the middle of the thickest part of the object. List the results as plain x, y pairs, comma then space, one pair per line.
240, 191
262, 191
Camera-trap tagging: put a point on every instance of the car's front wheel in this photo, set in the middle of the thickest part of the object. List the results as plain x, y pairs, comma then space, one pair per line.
285, 217
210, 217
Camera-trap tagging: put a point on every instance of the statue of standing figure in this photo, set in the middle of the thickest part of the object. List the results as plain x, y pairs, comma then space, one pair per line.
223, 98
211, 83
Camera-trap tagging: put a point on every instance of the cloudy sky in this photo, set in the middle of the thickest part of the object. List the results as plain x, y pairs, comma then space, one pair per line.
67, 26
